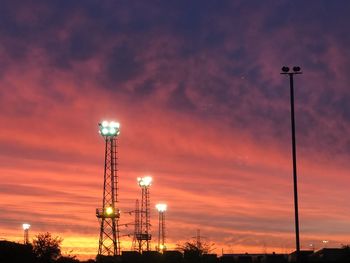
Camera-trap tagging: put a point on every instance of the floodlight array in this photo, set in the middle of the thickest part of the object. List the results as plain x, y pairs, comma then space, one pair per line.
26, 226
161, 207
144, 181
109, 128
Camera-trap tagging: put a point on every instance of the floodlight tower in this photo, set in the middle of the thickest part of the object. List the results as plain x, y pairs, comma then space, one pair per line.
161, 226
26, 233
144, 237
108, 216
135, 243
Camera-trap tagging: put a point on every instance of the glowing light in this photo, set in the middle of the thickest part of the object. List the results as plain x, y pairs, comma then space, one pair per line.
114, 124
162, 247
109, 210
144, 181
161, 207
105, 124
109, 128
26, 226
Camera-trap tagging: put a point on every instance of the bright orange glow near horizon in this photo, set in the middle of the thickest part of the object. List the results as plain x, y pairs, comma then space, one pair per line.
202, 108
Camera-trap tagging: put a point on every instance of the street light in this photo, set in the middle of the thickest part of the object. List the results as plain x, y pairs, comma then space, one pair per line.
286, 71
26, 232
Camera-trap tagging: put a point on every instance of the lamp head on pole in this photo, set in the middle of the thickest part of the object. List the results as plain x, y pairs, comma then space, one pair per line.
286, 70
109, 128
144, 182
26, 226
161, 207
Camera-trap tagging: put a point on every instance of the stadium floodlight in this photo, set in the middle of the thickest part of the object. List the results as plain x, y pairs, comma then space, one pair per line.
161, 207
109, 210
109, 128
162, 247
26, 226
144, 181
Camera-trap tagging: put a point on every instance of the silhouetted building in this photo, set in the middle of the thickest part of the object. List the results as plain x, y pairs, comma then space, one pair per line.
16, 253
304, 256
210, 258
227, 258
331, 255
274, 258
131, 257
172, 256
254, 258
245, 259
192, 256
151, 257
108, 259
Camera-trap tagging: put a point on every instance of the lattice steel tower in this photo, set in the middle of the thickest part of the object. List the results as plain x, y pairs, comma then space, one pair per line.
135, 243
108, 216
161, 227
143, 236
26, 233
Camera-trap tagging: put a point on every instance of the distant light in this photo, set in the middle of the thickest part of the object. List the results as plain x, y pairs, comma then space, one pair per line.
26, 226
109, 210
144, 181
162, 247
161, 207
109, 128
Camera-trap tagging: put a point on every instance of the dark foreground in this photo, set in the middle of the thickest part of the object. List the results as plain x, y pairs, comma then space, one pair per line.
11, 252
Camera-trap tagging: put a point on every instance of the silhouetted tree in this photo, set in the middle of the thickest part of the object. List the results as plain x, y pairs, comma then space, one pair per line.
194, 250
47, 248
199, 248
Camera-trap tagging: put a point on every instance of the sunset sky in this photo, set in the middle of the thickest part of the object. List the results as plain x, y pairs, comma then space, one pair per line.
203, 108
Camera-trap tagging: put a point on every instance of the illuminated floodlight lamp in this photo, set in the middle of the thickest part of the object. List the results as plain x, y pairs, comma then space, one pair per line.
26, 226
161, 207
109, 128
144, 181
109, 210
162, 247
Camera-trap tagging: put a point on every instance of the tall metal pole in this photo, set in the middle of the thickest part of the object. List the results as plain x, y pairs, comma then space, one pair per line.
26, 227
296, 70
144, 237
295, 179
26, 236
161, 227
159, 230
109, 243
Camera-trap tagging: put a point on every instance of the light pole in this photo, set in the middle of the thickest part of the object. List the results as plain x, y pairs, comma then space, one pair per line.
26, 233
108, 216
161, 226
144, 237
285, 71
